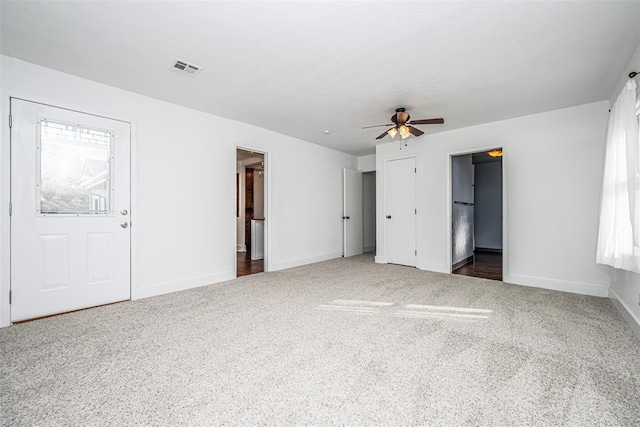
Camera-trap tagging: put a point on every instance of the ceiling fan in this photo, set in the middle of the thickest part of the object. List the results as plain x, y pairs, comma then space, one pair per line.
402, 125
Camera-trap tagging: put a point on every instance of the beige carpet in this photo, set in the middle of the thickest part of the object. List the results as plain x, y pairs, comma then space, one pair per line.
344, 342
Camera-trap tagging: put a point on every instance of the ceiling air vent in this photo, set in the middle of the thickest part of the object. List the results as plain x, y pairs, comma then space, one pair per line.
185, 68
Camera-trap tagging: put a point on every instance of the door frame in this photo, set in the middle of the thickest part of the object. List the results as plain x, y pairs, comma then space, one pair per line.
505, 206
382, 258
267, 205
5, 191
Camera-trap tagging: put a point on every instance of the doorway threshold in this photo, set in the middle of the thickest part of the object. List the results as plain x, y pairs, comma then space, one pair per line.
486, 265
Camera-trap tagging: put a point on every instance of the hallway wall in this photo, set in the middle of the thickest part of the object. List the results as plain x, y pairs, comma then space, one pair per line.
369, 210
488, 205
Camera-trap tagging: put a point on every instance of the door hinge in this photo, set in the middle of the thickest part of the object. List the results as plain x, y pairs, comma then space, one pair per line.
10, 208
415, 211
415, 170
10, 120
9, 297
416, 252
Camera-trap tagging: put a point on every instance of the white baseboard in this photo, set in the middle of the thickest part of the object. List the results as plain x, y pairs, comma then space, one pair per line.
241, 248
625, 311
593, 289
181, 285
380, 259
303, 261
369, 248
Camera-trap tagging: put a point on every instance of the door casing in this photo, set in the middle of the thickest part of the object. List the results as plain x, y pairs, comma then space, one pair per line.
267, 206
505, 207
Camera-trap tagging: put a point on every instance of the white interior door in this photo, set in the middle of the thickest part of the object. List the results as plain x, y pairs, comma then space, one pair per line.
352, 215
70, 196
400, 211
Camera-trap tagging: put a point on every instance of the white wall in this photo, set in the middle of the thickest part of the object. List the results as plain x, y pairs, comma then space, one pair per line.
462, 214
488, 205
367, 163
185, 217
369, 210
553, 165
625, 285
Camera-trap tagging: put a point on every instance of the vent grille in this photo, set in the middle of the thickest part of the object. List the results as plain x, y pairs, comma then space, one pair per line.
185, 68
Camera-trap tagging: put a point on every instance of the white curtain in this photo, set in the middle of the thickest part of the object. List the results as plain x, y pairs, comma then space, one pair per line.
619, 232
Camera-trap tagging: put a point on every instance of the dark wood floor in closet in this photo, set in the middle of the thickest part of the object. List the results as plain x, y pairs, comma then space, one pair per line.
246, 266
487, 265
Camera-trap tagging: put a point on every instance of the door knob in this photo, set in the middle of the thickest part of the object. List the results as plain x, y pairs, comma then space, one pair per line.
124, 212
346, 217
388, 216
124, 224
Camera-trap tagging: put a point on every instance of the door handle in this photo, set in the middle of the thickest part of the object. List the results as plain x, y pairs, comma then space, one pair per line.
124, 224
124, 212
388, 216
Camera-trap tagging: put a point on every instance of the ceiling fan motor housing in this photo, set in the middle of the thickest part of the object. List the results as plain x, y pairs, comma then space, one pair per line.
400, 116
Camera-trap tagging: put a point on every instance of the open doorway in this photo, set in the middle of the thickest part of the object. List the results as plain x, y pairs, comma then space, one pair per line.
359, 212
476, 214
250, 212
369, 211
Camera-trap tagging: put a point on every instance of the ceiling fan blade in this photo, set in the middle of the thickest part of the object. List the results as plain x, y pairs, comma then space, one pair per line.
427, 122
377, 126
415, 131
383, 135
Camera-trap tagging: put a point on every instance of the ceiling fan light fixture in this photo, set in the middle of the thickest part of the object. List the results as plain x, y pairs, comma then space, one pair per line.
495, 153
404, 131
392, 132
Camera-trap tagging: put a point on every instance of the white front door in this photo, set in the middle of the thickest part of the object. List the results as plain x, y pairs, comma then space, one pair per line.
70, 203
400, 211
352, 214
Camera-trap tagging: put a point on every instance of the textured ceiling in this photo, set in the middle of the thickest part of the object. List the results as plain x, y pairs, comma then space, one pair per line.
302, 67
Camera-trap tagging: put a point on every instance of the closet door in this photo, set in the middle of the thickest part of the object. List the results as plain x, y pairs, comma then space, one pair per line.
400, 211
